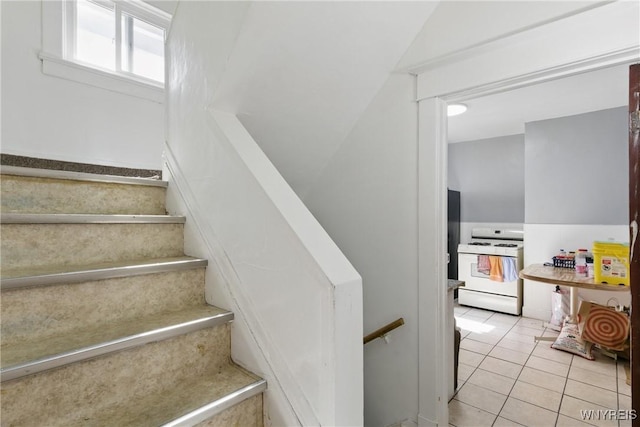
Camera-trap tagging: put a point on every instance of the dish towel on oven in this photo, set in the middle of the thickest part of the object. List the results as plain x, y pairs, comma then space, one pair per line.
509, 269
483, 264
495, 271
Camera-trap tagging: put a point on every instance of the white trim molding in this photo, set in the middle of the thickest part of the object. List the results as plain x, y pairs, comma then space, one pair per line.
599, 37
76, 72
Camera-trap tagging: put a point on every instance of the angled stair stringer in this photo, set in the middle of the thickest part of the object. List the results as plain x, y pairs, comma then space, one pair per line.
103, 317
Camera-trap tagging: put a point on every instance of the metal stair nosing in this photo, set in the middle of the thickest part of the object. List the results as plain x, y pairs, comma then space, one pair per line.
214, 408
50, 362
20, 218
79, 276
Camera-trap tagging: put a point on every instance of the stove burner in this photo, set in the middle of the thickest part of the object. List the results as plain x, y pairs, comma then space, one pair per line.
480, 243
506, 245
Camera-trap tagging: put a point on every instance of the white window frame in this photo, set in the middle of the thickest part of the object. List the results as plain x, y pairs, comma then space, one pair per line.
58, 59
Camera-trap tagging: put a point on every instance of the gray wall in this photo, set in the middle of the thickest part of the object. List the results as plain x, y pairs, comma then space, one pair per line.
577, 169
489, 174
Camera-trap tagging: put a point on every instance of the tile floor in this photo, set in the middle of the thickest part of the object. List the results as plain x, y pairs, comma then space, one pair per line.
505, 378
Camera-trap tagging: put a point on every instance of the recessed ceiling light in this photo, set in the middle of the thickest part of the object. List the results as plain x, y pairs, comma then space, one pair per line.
455, 109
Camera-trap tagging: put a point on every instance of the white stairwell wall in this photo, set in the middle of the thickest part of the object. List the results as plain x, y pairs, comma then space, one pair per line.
297, 300
60, 119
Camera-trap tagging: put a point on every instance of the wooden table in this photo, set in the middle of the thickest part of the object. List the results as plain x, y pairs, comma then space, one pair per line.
567, 277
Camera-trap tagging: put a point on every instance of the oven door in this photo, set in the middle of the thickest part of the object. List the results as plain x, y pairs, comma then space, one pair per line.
478, 281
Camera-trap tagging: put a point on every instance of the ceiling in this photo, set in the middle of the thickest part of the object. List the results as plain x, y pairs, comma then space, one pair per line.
301, 74
506, 113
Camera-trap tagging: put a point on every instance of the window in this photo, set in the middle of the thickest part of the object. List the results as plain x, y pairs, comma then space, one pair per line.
120, 37
106, 42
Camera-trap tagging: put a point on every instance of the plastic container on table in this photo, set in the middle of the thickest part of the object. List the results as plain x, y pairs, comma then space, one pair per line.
611, 263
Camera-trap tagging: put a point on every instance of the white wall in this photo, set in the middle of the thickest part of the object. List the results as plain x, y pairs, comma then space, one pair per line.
297, 300
366, 199
54, 118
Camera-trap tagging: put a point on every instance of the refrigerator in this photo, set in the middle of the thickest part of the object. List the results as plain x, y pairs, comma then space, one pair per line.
453, 232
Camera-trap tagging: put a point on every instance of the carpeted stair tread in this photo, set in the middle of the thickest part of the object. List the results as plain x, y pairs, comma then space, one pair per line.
160, 408
25, 352
74, 273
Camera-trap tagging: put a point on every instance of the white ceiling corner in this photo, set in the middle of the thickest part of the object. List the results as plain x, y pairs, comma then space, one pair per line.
302, 73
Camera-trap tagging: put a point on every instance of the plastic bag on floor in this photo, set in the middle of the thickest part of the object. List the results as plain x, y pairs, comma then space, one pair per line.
559, 308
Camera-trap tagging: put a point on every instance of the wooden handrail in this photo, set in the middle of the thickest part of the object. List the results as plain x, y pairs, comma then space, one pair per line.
383, 331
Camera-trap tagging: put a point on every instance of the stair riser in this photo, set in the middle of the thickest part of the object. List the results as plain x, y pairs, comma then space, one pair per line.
72, 394
43, 312
44, 195
36, 245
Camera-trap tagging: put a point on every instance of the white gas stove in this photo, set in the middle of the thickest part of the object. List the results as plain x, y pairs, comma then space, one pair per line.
489, 265
494, 241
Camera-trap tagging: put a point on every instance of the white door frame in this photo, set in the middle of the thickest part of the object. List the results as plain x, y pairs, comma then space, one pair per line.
554, 50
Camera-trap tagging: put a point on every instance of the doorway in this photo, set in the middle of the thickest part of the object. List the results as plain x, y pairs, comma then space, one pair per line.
540, 65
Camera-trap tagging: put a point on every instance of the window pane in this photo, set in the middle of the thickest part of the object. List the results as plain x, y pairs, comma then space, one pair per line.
95, 35
146, 54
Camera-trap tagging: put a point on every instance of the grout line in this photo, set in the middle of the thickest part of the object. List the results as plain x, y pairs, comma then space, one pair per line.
529, 355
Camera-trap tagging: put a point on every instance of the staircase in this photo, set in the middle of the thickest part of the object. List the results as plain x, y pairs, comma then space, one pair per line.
103, 317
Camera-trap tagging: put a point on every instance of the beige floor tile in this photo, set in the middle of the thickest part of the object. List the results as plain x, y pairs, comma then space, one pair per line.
498, 329
620, 367
524, 330
627, 422
464, 371
514, 336
509, 355
527, 414
542, 379
480, 313
593, 378
531, 323
502, 367
507, 319
592, 394
564, 421
547, 365
459, 310
537, 395
473, 324
517, 345
481, 398
624, 402
578, 409
624, 388
487, 338
503, 422
546, 352
463, 415
470, 358
552, 388
602, 365
475, 346
492, 381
